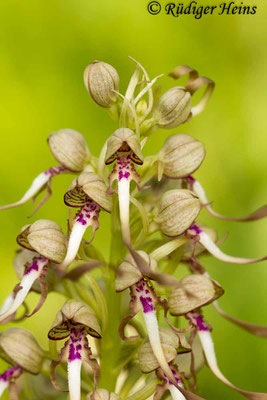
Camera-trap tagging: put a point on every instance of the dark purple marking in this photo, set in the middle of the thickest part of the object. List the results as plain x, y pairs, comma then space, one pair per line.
54, 171
75, 346
177, 379
147, 304
33, 267
9, 373
202, 326
85, 214
196, 229
191, 179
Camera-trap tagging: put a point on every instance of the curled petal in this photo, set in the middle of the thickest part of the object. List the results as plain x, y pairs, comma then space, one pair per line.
208, 348
212, 248
43, 296
92, 363
258, 330
122, 326
31, 274
200, 192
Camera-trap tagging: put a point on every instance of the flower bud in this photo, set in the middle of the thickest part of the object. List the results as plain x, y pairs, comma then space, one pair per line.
124, 140
198, 249
46, 238
103, 394
19, 347
196, 291
101, 79
74, 315
181, 155
70, 149
127, 273
173, 108
88, 186
177, 211
171, 344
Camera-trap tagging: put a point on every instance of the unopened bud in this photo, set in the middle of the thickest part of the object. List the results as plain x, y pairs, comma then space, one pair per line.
88, 186
19, 347
101, 79
70, 149
181, 155
171, 344
173, 108
177, 211
124, 140
103, 394
196, 291
74, 315
46, 238
141, 107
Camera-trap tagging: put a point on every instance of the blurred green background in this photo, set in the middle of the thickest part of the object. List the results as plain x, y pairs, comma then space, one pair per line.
45, 46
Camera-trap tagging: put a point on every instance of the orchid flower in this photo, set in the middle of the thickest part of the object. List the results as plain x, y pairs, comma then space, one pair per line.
89, 192
124, 148
70, 149
205, 337
195, 232
45, 238
76, 321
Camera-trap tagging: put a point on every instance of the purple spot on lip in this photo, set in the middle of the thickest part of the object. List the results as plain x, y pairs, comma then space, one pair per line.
196, 229
33, 267
191, 179
9, 373
75, 346
202, 326
147, 304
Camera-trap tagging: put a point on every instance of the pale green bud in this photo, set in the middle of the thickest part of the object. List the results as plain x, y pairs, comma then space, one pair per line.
181, 155
46, 238
19, 347
173, 108
101, 79
177, 210
195, 292
70, 149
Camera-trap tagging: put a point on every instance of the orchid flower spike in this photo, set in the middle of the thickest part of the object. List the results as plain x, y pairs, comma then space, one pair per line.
172, 345
19, 348
124, 148
205, 337
88, 192
194, 231
70, 149
198, 189
75, 320
47, 242
144, 299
